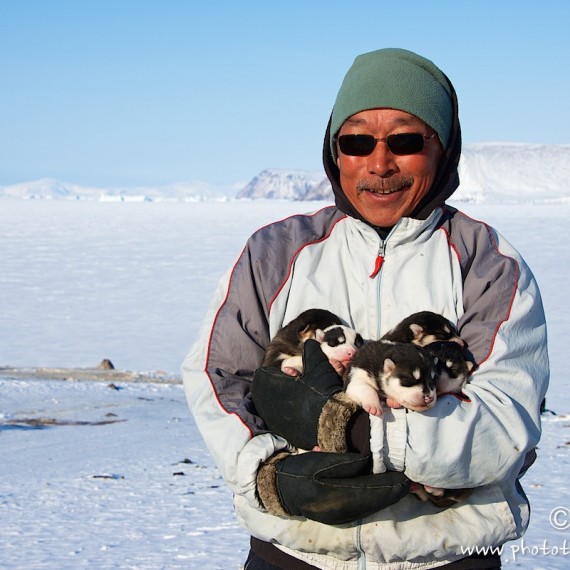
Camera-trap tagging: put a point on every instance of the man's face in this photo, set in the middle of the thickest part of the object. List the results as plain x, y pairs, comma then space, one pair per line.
384, 187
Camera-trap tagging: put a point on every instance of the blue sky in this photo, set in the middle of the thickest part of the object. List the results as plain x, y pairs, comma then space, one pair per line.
140, 92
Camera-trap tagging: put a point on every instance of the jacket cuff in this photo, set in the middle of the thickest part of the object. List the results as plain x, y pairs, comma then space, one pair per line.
267, 489
333, 422
396, 430
388, 440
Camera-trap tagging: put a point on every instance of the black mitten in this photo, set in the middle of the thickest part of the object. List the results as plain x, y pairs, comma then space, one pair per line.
331, 488
309, 410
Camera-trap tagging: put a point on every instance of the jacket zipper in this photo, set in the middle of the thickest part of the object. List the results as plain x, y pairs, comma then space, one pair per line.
379, 259
377, 268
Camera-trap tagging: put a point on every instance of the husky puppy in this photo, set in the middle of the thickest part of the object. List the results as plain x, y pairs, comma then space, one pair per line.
454, 365
440, 337
337, 341
424, 328
340, 343
453, 361
401, 372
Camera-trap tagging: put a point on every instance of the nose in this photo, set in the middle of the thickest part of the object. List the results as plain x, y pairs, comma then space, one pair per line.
348, 354
381, 161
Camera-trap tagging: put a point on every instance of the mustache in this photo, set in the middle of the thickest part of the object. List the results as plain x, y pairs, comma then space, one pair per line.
384, 185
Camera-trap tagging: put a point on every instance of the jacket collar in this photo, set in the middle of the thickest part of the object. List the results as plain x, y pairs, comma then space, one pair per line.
406, 230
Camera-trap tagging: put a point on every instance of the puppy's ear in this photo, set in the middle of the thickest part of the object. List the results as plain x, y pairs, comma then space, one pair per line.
319, 335
389, 366
306, 333
417, 331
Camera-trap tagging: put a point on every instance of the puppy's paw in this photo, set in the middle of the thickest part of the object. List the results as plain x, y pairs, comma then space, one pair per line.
373, 409
443, 498
338, 366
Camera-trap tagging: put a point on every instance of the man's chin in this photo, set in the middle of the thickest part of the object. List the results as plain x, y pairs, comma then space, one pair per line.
382, 210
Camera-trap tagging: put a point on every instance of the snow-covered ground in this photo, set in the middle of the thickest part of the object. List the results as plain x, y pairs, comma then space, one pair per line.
100, 476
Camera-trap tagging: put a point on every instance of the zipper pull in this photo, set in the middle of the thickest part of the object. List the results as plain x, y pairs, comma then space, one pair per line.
379, 261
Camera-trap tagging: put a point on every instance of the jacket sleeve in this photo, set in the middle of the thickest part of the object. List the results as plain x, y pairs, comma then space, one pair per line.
486, 439
218, 370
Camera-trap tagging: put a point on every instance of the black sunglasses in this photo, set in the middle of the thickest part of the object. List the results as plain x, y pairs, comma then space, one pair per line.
399, 143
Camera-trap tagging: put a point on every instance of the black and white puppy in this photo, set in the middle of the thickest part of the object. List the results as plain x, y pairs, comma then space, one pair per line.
436, 340
441, 338
420, 358
454, 365
337, 341
402, 373
423, 328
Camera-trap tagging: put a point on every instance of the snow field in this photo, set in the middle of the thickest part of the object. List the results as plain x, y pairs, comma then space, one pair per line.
100, 479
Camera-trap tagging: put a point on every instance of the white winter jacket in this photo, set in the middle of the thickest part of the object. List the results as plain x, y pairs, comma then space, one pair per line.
447, 263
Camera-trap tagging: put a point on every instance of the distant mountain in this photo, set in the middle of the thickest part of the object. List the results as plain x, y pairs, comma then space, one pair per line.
489, 172
284, 185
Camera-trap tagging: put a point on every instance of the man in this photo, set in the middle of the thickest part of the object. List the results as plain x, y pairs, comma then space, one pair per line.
389, 248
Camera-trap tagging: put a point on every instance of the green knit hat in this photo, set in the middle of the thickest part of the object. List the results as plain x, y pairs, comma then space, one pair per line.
395, 79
